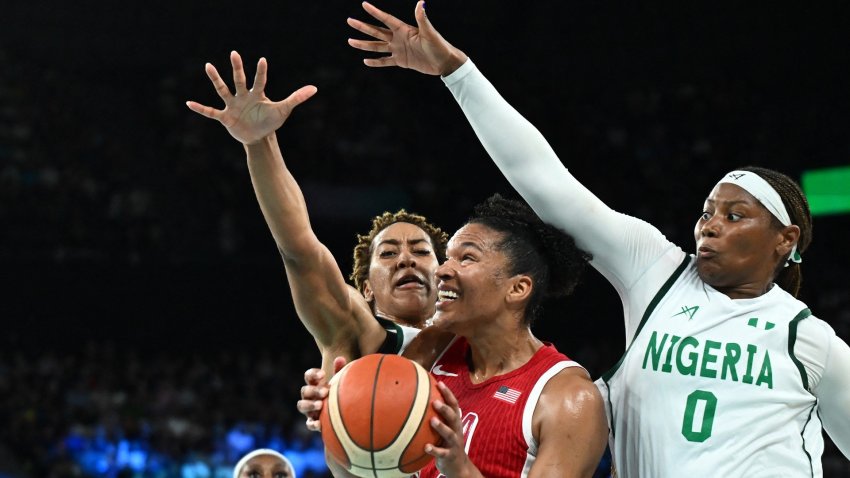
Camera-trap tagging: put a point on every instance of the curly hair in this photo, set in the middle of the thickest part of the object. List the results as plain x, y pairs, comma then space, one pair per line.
545, 253
789, 278
363, 249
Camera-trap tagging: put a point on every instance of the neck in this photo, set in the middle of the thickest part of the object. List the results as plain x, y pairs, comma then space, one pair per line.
410, 321
500, 353
746, 291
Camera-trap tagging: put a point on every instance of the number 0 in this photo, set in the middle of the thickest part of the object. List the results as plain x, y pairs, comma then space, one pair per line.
707, 416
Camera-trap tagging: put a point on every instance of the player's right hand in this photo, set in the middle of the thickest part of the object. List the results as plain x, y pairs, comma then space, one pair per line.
314, 393
419, 48
312, 396
248, 114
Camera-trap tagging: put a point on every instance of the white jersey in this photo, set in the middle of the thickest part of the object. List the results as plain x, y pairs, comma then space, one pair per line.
709, 386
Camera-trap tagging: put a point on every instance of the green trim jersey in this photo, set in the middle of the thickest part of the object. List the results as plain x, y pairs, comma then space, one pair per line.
398, 336
711, 384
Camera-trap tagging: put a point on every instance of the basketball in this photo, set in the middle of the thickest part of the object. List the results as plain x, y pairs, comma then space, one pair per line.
376, 418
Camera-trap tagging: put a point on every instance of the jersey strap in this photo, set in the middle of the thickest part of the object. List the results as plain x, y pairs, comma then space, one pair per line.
394, 339
792, 339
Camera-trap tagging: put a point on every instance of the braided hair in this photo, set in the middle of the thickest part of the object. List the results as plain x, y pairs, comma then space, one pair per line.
789, 278
543, 252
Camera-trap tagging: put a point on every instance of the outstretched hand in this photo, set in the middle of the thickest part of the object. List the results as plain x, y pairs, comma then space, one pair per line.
419, 48
249, 115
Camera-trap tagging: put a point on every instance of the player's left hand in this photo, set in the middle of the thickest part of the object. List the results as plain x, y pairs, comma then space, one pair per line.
249, 115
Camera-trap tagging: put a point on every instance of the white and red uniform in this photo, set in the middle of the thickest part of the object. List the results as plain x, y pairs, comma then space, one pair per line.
497, 412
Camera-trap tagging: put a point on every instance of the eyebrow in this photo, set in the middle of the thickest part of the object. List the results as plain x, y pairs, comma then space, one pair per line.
469, 244
396, 242
728, 203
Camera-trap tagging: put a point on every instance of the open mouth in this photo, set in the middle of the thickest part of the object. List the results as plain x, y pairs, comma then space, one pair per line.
409, 281
446, 295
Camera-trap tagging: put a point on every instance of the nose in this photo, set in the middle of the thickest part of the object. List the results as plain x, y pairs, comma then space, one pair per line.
709, 227
446, 270
406, 259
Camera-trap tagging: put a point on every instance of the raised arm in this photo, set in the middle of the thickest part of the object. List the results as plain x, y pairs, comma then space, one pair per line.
333, 312
519, 150
622, 246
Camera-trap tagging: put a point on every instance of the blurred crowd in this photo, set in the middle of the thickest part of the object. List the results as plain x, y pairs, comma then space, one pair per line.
114, 411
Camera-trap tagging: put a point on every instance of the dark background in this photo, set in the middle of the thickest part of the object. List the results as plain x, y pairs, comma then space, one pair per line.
129, 233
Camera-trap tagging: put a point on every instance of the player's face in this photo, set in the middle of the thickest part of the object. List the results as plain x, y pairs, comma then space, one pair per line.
736, 241
472, 283
402, 274
265, 466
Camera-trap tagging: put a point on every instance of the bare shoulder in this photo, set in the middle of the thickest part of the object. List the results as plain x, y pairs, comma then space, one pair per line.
569, 426
569, 393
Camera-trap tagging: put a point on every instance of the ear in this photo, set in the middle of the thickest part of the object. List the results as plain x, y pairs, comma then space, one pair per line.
789, 235
370, 296
520, 290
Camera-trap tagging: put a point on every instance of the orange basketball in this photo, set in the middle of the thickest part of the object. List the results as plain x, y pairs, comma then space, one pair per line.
376, 418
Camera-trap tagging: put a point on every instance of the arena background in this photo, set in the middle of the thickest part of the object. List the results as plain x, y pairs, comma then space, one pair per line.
147, 324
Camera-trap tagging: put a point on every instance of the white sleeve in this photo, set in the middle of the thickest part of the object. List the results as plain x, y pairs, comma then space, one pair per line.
826, 359
622, 246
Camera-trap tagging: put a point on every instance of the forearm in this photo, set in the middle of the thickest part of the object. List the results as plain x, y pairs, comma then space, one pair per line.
279, 197
332, 311
524, 156
622, 246
515, 145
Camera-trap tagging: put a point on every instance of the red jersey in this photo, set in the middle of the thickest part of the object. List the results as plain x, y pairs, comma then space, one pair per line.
497, 412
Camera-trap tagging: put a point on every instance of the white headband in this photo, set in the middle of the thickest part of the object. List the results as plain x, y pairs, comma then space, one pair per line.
764, 192
258, 452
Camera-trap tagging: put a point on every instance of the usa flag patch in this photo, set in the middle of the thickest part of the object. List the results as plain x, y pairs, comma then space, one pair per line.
507, 394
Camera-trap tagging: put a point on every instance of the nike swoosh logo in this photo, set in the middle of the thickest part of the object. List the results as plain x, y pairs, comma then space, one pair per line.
438, 370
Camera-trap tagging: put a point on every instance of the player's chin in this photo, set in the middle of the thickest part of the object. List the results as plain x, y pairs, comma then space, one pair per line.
442, 319
710, 273
412, 313
414, 297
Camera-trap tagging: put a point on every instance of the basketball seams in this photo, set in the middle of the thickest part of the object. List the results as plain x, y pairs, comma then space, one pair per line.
388, 461
403, 438
335, 416
410, 410
423, 385
372, 414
